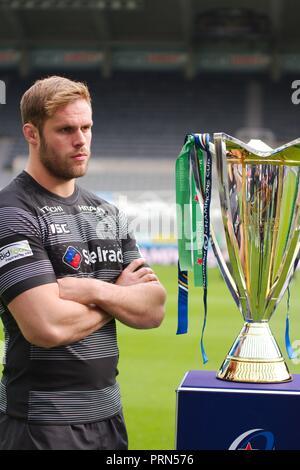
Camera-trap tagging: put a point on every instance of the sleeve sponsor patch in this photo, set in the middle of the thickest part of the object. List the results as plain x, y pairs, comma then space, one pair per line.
14, 251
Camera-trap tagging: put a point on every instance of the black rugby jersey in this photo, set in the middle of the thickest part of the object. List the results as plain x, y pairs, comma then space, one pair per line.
44, 237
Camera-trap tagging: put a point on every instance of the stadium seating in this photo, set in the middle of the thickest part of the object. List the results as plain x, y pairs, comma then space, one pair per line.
146, 115
143, 115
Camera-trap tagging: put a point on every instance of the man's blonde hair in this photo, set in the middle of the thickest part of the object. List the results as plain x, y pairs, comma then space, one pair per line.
45, 96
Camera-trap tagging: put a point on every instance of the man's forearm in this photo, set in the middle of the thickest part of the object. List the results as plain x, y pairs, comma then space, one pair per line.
79, 321
46, 320
137, 299
138, 306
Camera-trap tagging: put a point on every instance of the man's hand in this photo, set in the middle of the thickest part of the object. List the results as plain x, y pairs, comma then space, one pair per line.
79, 289
137, 299
134, 274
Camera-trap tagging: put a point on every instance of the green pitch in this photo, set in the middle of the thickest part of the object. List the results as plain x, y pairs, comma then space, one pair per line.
153, 362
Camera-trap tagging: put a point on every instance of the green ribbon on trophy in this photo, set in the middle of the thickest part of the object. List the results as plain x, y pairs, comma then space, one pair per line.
193, 195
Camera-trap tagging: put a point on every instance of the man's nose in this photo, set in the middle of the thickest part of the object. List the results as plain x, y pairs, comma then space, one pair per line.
78, 138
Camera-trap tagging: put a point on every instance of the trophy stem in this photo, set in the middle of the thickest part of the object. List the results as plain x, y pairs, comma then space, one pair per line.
255, 357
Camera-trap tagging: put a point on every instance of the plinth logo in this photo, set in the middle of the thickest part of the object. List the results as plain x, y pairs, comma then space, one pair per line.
254, 439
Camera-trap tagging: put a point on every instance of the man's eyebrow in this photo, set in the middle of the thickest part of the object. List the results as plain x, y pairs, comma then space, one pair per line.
61, 126
72, 126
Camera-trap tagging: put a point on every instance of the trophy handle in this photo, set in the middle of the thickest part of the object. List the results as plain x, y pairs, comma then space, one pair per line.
224, 268
285, 274
215, 245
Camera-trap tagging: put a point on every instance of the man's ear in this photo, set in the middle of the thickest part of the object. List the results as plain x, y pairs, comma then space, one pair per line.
31, 134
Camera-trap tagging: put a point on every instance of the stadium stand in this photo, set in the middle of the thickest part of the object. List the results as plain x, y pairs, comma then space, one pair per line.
142, 115
137, 117
145, 116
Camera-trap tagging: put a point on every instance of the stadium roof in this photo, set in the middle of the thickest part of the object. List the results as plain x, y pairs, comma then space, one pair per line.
42, 23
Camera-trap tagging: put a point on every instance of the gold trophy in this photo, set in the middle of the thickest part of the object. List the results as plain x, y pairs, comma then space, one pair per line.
259, 197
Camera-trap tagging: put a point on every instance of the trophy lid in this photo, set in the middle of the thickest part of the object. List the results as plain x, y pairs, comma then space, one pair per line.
258, 144
256, 151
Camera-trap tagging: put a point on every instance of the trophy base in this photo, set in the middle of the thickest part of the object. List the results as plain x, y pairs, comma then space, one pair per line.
255, 357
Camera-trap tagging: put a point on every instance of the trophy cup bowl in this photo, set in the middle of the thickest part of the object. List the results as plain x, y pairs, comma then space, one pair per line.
259, 197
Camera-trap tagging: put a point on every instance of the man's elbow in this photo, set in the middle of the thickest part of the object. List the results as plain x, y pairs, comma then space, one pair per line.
46, 338
155, 315
158, 317
159, 313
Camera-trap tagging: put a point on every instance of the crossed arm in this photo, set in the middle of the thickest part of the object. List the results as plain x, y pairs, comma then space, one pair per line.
61, 313
46, 320
137, 299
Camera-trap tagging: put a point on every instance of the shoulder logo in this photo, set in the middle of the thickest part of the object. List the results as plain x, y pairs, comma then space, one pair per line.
14, 251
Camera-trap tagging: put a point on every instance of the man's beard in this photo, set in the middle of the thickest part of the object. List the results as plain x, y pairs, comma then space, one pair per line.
57, 167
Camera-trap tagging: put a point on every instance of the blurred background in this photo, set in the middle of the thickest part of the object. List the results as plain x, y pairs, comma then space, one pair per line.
157, 70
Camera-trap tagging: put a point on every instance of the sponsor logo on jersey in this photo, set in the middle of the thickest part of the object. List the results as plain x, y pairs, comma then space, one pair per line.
58, 229
92, 209
51, 209
72, 257
14, 251
102, 255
